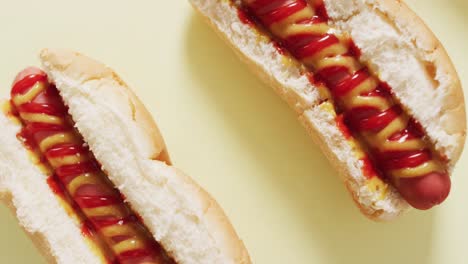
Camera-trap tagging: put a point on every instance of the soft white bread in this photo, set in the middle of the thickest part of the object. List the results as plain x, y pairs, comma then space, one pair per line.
24, 189
397, 45
321, 125
187, 222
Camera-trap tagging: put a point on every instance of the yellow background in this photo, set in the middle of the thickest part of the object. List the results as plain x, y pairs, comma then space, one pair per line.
233, 134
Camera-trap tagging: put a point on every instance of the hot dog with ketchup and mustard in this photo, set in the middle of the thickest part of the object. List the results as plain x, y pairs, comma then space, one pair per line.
89, 178
334, 62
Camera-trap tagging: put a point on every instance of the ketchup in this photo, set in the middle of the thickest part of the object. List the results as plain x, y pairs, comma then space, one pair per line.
366, 108
245, 17
25, 137
343, 128
77, 176
55, 186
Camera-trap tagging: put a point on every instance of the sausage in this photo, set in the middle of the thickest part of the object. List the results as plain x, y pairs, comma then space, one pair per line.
51, 131
426, 191
396, 143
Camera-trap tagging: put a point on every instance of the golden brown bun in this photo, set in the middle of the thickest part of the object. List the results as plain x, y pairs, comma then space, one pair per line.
420, 72
441, 110
121, 133
193, 229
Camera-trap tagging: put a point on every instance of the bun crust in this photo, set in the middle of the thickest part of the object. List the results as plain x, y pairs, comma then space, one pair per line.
453, 112
120, 132
38, 239
428, 77
82, 69
446, 124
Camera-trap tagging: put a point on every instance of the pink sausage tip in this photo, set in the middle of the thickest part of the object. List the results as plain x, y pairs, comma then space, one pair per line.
425, 192
26, 72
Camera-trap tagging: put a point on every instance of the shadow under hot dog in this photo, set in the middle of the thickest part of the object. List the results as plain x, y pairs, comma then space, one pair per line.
315, 201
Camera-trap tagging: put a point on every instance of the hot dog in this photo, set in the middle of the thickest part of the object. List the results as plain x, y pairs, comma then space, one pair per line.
113, 213
323, 58
48, 129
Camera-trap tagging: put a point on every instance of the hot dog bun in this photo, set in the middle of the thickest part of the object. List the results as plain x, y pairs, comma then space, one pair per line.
395, 43
26, 193
181, 216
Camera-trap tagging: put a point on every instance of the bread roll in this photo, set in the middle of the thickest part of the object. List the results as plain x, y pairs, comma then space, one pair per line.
182, 217
396, 44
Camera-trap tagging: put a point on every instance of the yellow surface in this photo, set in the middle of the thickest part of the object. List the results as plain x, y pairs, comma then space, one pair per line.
234, 135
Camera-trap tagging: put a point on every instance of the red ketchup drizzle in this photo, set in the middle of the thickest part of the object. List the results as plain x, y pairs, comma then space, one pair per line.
245, 17
27, 139
86, 196
66, 150
58, 189
271, 11
87, 228
41, 108
56, 186
340, 81
321, 10
312, 45
313, 80
27, 83
280, 48
343, 128
354, 50
105, 221
368, 168
67, 173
